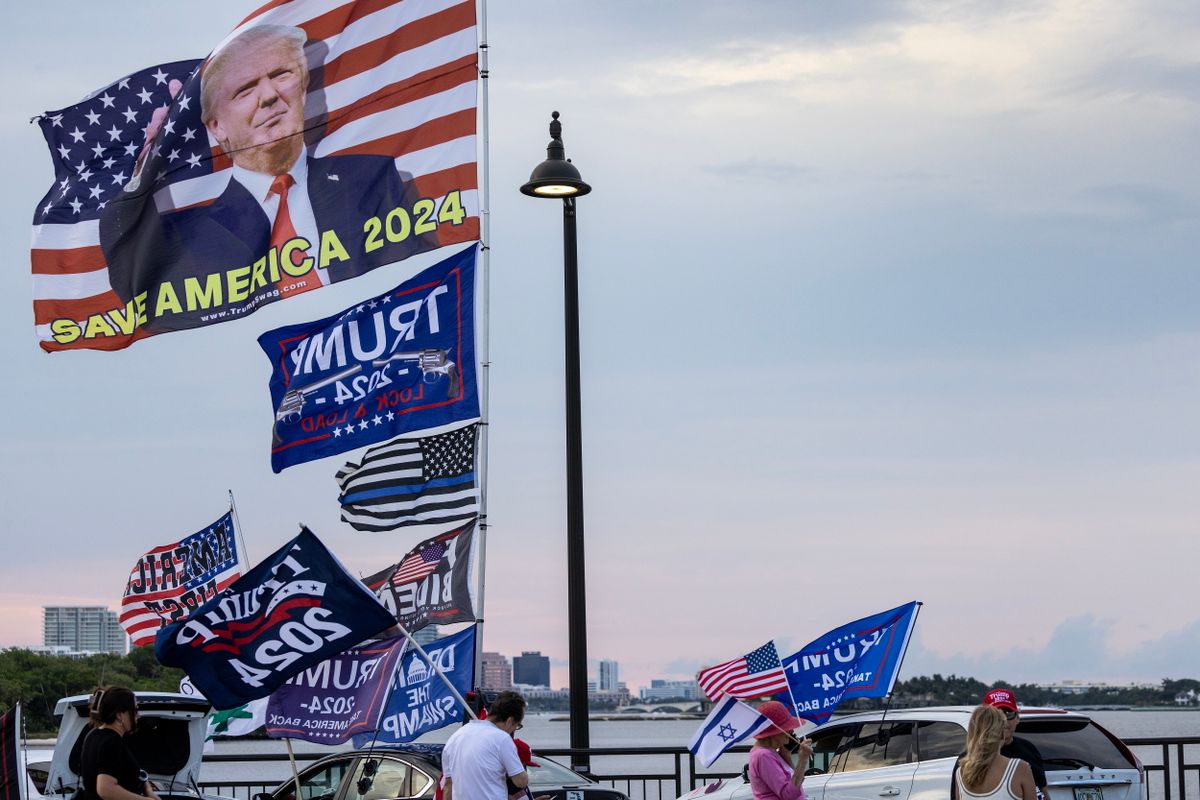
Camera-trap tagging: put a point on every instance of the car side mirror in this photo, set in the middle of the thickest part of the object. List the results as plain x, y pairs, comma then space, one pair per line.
263, 796
746, 773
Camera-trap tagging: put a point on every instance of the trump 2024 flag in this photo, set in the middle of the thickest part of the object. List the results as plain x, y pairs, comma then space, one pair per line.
858, 659
290, 612
172, 209
339, 698
398, 362
168, 582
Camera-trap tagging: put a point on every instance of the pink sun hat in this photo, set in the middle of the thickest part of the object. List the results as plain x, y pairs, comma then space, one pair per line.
781, 718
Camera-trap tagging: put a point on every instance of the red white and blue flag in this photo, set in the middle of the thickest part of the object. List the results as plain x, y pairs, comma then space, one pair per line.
135, 239
169, 582
290, 612
756, 674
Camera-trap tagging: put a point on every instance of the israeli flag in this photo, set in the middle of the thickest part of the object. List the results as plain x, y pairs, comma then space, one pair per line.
728, 723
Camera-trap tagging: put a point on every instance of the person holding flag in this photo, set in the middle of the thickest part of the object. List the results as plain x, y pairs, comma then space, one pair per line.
773, 775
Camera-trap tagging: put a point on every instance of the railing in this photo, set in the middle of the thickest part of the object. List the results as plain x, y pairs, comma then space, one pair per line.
1172, 769
1169, 772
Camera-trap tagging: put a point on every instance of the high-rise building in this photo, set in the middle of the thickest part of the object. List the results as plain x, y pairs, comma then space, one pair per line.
426, 635
607, 677
83, 629
531, 668
497, 672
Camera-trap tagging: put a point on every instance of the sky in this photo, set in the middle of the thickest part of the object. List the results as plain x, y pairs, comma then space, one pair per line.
880, 301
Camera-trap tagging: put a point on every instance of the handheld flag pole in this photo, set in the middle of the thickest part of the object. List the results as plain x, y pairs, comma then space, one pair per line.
891, 687
295, 770
438, 670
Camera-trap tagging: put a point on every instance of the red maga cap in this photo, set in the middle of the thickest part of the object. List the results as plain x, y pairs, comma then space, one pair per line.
1001, 698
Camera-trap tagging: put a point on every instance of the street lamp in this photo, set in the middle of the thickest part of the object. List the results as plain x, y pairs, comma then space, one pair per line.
556, 177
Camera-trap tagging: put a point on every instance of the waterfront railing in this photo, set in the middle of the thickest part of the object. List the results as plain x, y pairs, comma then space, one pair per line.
1172, 769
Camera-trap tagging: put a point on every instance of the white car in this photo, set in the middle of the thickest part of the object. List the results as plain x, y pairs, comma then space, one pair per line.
909, 754
168, 744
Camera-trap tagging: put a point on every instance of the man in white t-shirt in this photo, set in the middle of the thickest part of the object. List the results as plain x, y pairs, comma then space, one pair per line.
481, 754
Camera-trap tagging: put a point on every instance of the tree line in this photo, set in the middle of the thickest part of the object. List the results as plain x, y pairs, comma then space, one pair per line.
38, 681
953, 690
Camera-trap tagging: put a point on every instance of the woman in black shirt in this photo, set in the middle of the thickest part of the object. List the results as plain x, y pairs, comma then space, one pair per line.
108, 769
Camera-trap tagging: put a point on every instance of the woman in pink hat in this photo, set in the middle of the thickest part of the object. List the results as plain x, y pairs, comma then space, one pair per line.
773, 775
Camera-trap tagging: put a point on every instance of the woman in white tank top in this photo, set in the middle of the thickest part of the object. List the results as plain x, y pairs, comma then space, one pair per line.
983, 773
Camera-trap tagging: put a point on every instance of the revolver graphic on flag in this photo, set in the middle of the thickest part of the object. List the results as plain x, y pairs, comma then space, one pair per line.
434, 363
292, 404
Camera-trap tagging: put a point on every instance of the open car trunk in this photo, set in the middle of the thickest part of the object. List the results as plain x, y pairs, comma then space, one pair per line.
168, 742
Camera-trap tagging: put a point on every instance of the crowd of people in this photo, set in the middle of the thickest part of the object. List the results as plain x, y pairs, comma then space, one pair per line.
996, 763
484, 759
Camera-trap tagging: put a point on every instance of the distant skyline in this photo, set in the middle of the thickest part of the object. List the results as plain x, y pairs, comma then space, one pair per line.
880, 301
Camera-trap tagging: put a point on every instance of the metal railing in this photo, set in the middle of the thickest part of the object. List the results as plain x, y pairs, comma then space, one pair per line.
1172, 769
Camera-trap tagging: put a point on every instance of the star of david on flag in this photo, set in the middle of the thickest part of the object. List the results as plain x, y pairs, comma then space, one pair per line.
728, 723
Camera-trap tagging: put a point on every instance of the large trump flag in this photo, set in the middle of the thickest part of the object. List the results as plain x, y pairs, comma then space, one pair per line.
320, 140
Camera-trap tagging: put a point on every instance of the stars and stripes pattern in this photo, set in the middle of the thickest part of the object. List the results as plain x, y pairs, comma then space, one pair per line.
169, 580
412, 481
396, 78
755, 674
418, 564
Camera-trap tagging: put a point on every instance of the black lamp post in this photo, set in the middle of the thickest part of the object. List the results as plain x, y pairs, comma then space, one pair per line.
556, 177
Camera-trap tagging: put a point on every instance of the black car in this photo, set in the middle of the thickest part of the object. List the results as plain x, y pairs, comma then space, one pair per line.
390, 772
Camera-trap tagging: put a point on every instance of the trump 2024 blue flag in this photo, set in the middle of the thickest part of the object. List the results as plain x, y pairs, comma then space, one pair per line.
420, 700
338, 698
292, 611
399, 362
859, 659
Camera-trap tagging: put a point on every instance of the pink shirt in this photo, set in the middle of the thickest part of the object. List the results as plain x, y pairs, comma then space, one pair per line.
771, 776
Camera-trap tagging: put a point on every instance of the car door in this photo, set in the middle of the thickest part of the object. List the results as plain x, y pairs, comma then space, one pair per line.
878, 762
386, 777
322, 781
938, 746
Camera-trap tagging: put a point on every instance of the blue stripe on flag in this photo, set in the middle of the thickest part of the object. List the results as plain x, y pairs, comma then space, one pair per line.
391, 491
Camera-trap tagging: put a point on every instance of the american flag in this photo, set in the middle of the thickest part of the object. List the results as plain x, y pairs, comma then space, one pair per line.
412, 481
755, 674
397, 78
169, 581
418, 564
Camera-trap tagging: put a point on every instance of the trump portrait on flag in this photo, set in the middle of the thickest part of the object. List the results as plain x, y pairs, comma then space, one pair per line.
286, 222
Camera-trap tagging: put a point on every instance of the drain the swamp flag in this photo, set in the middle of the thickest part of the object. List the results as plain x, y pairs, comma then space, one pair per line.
318, 142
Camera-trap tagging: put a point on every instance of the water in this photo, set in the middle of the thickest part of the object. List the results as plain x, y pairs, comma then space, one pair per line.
543, 732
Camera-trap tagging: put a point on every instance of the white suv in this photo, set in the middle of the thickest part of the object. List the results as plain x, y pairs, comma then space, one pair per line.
909, 755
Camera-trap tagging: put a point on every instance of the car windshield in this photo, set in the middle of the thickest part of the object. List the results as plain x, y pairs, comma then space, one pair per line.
1069, 743
551, 773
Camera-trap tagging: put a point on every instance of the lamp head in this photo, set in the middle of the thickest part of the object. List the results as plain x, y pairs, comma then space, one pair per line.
556, 176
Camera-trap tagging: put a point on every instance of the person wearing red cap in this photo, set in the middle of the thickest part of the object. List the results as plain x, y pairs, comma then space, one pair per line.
1013, 746
982, 773
773, 775
526, 755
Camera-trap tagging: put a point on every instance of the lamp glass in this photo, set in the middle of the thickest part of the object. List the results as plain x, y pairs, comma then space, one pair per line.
557, 190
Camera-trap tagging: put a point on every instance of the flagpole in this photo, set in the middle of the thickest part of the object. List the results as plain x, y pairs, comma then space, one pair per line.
295, 770
485, 222
437, 670
891, 689
244, 554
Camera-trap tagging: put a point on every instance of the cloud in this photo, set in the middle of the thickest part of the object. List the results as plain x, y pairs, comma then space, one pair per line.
763, 169
1079, 648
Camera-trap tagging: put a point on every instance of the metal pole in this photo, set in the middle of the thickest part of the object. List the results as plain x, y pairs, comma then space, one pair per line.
576, 594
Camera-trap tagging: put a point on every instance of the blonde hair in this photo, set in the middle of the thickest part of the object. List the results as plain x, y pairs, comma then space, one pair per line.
247, 42
985, 733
